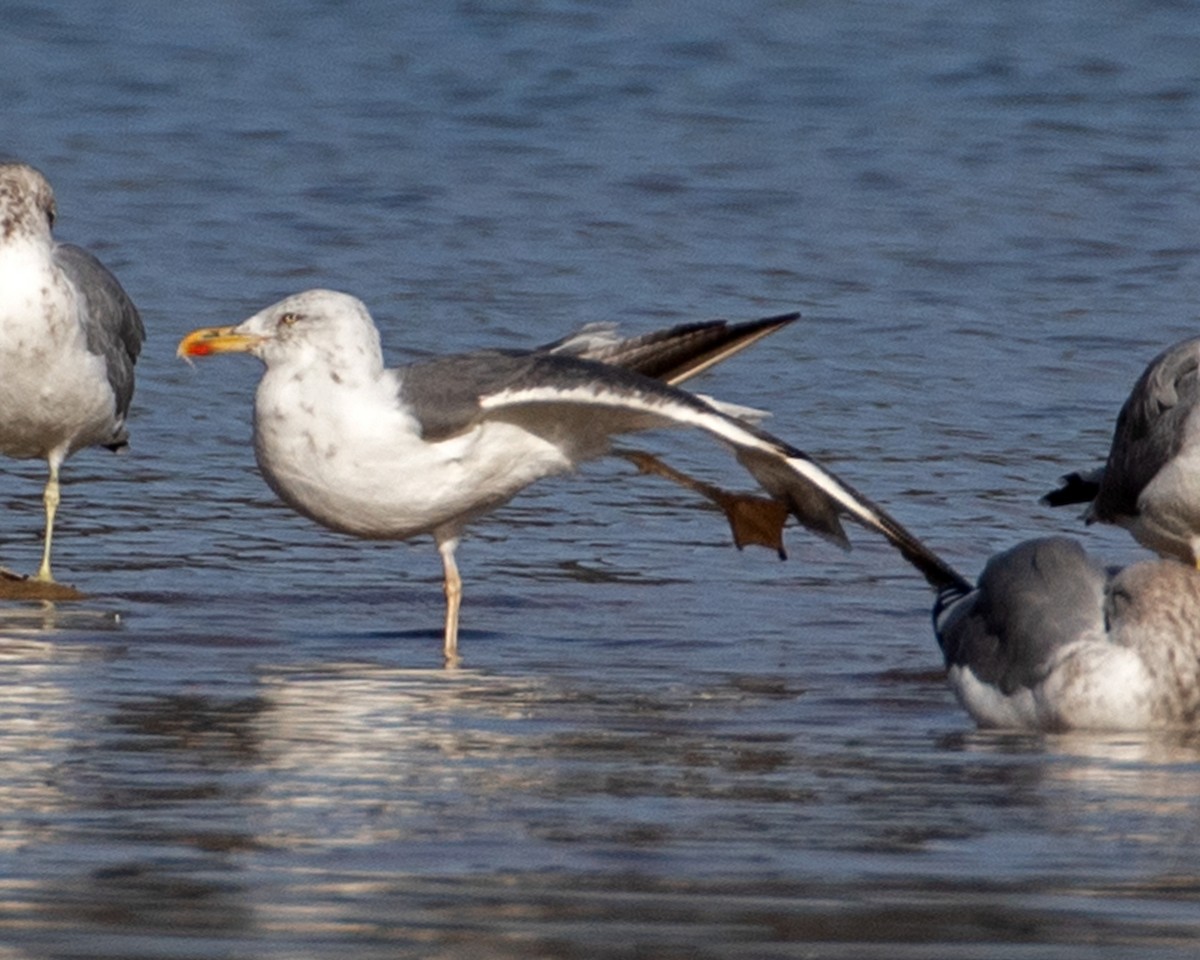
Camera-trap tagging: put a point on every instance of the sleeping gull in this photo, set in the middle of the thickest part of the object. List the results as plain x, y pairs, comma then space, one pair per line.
69, 337
1150, 483
427, 448
1048, 639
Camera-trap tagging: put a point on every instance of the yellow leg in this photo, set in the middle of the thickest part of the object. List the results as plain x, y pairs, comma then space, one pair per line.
453, 588
50, 497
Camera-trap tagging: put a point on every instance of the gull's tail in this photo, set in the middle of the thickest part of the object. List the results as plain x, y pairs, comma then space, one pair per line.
1077, 487
672, 355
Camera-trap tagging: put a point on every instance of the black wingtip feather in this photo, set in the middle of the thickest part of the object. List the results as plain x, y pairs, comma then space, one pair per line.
1075, 488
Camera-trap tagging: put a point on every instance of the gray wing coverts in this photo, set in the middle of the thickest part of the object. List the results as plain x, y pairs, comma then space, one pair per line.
112, 325
444, 394
1030, 601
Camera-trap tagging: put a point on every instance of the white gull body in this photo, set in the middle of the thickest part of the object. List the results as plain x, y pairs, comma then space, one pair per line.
69, 338
427, 448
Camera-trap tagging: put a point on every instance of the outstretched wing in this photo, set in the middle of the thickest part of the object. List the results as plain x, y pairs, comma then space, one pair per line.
580, 404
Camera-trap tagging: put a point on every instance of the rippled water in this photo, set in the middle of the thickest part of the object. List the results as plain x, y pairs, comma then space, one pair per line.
243, 745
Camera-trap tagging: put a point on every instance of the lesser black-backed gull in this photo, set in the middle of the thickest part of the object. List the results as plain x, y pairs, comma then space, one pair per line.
394, 453
69, 337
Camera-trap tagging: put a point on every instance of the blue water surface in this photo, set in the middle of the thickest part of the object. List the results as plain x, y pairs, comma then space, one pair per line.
243, 744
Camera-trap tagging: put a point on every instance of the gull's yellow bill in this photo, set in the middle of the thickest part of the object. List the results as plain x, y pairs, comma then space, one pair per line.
210, 340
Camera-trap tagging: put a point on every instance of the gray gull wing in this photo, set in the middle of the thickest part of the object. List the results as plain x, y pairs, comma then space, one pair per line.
111, 322
1030, 601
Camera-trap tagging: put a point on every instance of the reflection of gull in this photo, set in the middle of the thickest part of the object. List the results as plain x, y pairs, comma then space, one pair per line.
69, 337
1151, 482
32, 619
335, 719
391, 454
42, 721
356, 755
1108, 785
1129, 775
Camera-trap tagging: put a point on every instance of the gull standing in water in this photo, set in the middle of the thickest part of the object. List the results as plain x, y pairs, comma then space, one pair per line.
1048, 639
427, 448
69, 337
1150, 484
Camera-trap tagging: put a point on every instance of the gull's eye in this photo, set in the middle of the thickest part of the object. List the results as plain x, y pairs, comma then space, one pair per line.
288, 319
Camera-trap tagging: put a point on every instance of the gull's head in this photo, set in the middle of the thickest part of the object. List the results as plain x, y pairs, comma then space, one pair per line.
26, 202
315, 327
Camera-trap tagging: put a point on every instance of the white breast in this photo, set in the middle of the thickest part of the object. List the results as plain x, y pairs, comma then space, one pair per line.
54, 393
351, 458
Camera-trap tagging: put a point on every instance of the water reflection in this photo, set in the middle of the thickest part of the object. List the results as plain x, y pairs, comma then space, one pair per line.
1135, 787
1112, 764
342, 799
37, 715
28, 620
116, 814
394, 753
663, 748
